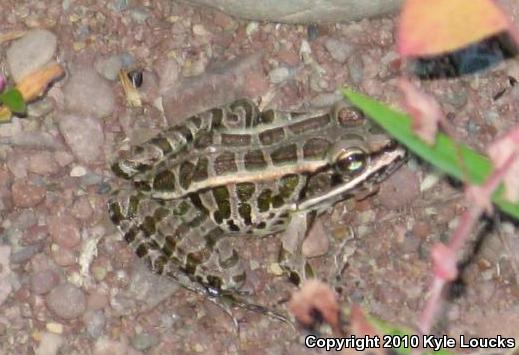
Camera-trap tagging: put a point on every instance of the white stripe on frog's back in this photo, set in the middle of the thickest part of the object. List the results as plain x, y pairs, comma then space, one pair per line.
265, 152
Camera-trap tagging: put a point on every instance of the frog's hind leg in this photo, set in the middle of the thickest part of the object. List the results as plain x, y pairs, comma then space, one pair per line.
174, 236
177, 240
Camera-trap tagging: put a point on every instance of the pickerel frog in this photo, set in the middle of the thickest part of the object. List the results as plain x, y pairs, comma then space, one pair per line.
234, 171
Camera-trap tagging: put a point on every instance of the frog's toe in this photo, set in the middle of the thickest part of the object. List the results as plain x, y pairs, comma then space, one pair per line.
297, 268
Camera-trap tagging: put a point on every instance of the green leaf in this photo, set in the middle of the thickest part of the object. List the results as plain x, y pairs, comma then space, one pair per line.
404, 336
13, 99
455, 159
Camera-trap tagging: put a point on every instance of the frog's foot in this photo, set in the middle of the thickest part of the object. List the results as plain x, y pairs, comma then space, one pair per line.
291, 258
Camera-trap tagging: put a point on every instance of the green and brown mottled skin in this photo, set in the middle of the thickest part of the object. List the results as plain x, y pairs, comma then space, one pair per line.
234, 171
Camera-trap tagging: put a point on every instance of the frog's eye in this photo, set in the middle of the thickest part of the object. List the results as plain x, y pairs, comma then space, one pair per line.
350, 161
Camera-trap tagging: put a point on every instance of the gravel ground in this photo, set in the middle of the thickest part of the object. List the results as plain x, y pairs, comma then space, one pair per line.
70, 285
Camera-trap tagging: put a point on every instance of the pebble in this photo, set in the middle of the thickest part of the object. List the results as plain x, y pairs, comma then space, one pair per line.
97, 301
200, 30
66, 301
40, 108
105, 346
91, 179
49, 344
109, 67
95, 323
169, 71
457, 98
34, 140
242, 77
119, 5
148, 287
24, 254
53, 327
64, 230
312, 32
26, 195
84, 136
338, 49
12, 128
356, 69
78, 171
326, 99
82, 209
144, 341
62, 256
429, 181
275, 269
317, 242
139, 14
251, 28
400, 189
31, 52
88, 93
279, 75
43, 163
5, 272
63, 158
43, 281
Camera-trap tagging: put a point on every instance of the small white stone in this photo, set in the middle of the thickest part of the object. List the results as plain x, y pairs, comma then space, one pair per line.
278, 75
275, 269
429, 181
56, 328
251, 28
78, 171
199, 30
49, 344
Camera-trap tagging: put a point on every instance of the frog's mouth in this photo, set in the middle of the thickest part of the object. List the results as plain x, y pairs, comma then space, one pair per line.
380, 166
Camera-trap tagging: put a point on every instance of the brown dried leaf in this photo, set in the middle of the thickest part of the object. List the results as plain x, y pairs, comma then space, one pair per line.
315, 296
34, 84
424, 110
11, 35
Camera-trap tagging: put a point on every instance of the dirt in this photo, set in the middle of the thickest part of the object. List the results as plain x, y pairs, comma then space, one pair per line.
126, 310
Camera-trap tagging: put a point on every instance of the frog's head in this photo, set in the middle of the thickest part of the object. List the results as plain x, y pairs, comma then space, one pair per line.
358, 157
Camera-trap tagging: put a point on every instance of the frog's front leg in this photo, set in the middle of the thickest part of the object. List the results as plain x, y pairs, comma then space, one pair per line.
292, 259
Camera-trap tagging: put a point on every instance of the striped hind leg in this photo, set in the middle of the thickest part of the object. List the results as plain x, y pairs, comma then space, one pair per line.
174, 236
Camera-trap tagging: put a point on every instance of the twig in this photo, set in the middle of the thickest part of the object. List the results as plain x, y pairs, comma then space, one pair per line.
460, 236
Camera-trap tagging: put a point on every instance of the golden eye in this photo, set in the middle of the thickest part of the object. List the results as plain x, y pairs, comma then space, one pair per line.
351, 161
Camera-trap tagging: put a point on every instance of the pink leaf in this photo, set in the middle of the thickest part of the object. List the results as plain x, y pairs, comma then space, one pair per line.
437, 26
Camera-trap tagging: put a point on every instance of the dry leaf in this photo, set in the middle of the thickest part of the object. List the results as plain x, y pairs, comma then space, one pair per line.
133, 97
433, 27
424, 110
35, 84
315, 296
